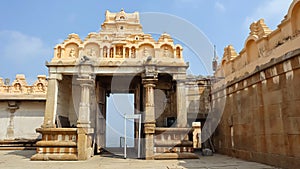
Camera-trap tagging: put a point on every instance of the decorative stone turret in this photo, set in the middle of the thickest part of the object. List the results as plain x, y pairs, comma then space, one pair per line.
259, 28
120, 40
261, 45
229, 53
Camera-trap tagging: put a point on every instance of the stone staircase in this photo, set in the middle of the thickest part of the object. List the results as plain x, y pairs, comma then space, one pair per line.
57, 144
173, 143
18, 144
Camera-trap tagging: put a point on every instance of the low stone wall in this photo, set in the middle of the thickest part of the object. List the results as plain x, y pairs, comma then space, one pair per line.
22, 123
260, 114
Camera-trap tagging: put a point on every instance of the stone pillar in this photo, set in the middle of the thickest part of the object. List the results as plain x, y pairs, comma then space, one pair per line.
149, 117
12, 107
181, 104
86, 80
84, 106
51, 103
114, 49
124, 52
10, 129
83, 122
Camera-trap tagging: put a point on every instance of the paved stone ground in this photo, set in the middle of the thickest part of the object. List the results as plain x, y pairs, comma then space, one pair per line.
20, 160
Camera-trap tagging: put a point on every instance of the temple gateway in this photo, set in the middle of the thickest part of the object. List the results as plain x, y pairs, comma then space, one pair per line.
121, 59
253, 97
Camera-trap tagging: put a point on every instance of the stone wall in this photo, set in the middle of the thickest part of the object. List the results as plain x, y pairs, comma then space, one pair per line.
258, 95
25, 120
261, 119
22, 108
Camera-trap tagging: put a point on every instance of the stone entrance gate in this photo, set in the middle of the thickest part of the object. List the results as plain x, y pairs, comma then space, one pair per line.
120, 59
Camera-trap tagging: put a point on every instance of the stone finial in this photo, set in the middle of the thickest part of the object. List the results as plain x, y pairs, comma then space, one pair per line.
259, 28
91, 35
20, 78
74, 38
229, 53
165, 37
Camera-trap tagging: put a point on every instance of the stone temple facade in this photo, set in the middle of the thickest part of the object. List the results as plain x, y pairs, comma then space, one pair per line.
121, 59
253, 97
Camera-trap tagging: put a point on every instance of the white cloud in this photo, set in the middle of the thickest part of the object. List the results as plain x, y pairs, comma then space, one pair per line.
220, 7
20, 47
273, 11
22, 54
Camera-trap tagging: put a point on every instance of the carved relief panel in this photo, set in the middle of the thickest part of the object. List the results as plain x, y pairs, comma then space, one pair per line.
91, 50
40, 86
146, 50
167, 51
133, 52
72, 51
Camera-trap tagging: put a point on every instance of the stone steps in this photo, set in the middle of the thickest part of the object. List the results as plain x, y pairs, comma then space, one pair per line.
183, 155
173, 143
55, 156
23, 144
57, 144
173, 149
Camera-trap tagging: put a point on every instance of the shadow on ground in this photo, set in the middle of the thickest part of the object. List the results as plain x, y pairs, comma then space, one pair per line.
22, 153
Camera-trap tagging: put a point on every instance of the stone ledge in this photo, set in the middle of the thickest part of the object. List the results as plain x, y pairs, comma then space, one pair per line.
56, 157
173, 143
56, 144
166, 156
57, 130
159, 130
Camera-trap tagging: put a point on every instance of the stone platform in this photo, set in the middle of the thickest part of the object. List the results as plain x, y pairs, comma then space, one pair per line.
21, 160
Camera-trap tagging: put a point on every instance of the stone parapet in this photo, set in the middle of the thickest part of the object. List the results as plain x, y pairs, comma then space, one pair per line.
261, 46
20, 90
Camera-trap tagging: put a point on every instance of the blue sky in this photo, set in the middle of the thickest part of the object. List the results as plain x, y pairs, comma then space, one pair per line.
30, 29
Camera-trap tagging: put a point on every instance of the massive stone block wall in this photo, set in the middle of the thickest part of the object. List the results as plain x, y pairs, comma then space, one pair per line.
258, 95
261, 118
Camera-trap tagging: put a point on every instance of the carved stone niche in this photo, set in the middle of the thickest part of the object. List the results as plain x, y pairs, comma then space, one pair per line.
72, 51
146, 50
19, 84
167, 51
178, 52
92, 50
40, 86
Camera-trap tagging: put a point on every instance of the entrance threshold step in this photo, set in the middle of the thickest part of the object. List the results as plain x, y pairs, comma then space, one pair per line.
55, 157
167, 156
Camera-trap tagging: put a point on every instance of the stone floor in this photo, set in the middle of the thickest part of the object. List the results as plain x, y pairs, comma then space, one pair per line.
20, 160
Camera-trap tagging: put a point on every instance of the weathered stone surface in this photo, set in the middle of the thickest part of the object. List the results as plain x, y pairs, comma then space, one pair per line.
263, 104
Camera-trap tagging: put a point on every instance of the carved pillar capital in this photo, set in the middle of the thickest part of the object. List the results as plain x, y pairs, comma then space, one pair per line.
149, 82
55, 77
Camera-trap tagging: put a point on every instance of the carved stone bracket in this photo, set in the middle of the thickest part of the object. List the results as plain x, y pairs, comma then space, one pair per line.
150, 71
149, 128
